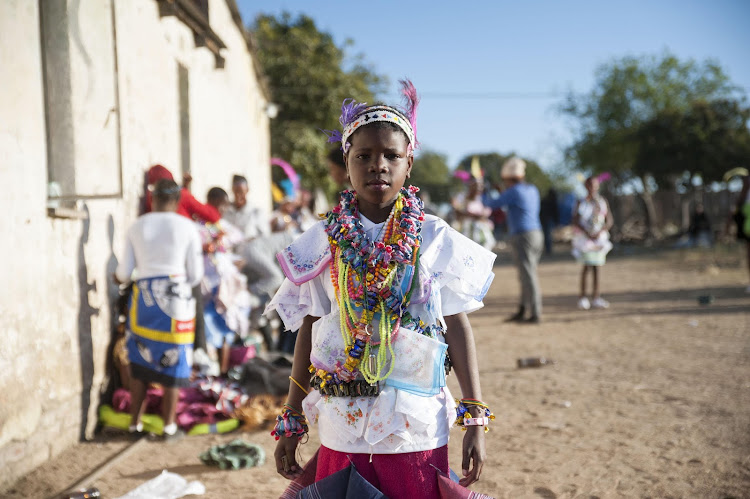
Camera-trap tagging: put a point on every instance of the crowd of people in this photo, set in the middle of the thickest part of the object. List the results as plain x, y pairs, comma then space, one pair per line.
203, 273
530, 221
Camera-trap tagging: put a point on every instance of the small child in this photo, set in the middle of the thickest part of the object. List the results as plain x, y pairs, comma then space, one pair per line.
379, 292
592, 220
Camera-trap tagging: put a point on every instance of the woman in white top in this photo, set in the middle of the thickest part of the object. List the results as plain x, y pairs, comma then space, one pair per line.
164, 258
592, 220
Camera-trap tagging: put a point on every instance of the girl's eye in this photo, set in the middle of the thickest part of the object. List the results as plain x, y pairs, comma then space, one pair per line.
362, 156
393, 156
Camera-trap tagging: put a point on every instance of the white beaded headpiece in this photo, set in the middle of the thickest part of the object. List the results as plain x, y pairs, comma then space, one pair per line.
356, 114
373, 114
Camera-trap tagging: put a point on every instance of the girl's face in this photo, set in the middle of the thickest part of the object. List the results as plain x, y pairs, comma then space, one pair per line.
592, 186
378, 165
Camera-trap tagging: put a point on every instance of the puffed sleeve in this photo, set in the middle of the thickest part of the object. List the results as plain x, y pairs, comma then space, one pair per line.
461, 268
305, 264
294, 302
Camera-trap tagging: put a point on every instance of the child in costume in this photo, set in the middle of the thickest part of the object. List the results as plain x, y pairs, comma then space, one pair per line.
592, 220
379, 292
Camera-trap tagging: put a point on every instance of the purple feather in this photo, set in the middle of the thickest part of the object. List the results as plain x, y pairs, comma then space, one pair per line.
349, 110
412, 103
333, 136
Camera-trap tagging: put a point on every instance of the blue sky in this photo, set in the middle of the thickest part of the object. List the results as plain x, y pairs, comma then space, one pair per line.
492, 74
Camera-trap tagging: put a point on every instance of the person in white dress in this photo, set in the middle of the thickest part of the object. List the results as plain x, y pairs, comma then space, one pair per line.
592, 220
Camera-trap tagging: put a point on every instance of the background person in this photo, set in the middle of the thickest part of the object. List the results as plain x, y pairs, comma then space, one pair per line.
592, 220
472, 216
249, 219
187, 206
226, 298
164, 251
521, 203
337, 168
550, 218
742, 218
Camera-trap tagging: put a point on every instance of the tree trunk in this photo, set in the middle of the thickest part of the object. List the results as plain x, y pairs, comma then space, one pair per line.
652, 231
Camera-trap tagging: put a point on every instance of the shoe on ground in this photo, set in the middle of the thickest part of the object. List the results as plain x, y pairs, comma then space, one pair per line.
136, 435
517, 317
584, 303
600, 303
534, 319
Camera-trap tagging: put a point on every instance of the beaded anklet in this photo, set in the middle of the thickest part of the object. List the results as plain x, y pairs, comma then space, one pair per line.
465, 419
290, 423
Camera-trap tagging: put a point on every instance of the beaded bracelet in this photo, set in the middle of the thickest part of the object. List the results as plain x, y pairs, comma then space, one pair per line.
290, 423
464, 418
298, 384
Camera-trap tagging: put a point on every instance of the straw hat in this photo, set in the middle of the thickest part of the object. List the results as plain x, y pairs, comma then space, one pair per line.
515, 167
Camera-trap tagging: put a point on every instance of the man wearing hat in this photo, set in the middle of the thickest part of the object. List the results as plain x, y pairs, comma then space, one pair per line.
520, 201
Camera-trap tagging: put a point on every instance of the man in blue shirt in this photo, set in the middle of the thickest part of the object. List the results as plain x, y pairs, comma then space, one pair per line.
521, 203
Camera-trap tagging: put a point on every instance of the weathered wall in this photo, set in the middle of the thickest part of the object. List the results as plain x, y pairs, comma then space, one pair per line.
55, 301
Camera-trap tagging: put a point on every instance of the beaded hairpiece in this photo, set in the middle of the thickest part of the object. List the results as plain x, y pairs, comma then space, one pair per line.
355, 115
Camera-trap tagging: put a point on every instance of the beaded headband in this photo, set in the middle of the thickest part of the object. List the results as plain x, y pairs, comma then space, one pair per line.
355, 115
377, 113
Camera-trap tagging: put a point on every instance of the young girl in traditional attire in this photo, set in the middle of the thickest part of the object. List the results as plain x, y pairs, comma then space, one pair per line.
592, 220
379, 292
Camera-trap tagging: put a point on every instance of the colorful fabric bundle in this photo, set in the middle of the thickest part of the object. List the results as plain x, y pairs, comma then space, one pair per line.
290, 423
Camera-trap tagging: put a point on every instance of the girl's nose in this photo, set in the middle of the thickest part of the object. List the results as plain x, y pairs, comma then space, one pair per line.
379, 164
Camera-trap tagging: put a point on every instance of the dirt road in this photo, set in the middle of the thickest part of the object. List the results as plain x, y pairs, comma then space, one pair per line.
650, 398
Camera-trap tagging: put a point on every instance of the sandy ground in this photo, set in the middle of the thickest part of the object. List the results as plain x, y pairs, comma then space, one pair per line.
650, 398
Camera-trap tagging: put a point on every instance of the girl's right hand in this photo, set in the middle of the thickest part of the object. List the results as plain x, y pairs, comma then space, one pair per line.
286, 464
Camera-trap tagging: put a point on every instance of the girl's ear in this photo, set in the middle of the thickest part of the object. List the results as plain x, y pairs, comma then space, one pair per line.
410, 158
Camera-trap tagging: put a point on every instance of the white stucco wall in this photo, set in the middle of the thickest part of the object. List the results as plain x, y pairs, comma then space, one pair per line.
55, 300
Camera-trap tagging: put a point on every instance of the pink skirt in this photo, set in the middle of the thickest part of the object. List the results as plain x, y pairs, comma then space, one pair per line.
407, 475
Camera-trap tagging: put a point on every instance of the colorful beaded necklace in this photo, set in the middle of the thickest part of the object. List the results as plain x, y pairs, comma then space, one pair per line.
369, 277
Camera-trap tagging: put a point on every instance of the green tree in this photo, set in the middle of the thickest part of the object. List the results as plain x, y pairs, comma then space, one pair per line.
628, 93
492, 163
704, 141
432, 174
309, 76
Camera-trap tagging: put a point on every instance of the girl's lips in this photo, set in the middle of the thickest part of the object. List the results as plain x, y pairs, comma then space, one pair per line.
378, 185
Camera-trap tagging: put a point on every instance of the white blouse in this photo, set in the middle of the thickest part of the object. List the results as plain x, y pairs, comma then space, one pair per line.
410, 414
162, 244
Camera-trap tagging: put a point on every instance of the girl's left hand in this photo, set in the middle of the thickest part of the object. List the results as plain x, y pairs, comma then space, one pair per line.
473, 450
